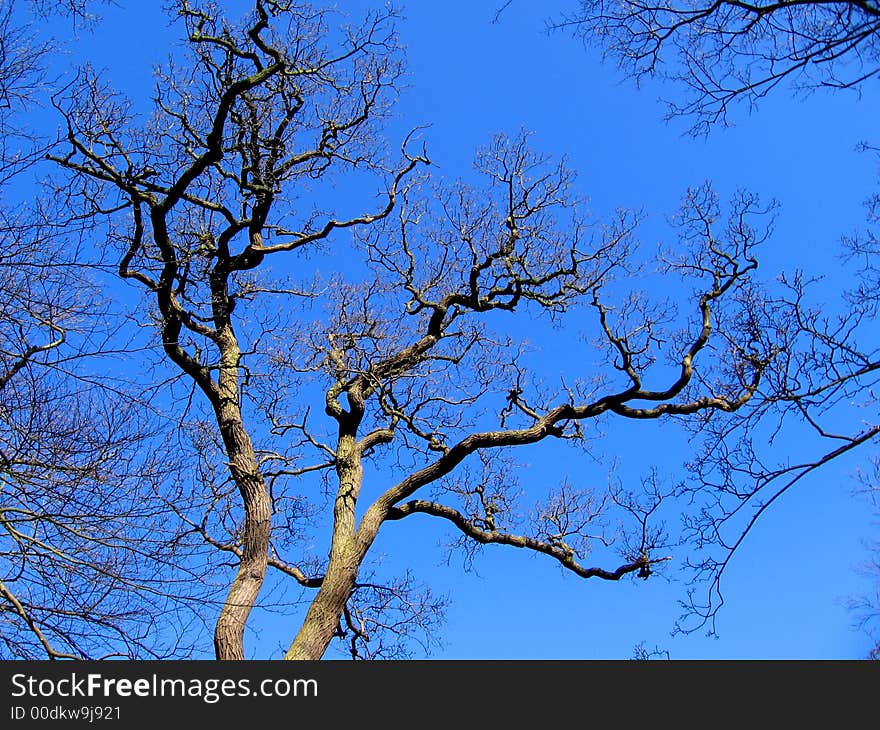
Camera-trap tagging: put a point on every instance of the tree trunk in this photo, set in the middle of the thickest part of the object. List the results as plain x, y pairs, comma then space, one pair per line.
229, 630
346, 555
324, 614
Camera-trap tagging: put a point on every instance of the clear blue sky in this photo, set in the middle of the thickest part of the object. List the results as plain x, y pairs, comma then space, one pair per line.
468, 79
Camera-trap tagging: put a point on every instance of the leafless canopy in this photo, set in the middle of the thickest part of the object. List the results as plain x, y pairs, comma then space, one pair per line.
83, 567
399, 386
721, 52
724, 50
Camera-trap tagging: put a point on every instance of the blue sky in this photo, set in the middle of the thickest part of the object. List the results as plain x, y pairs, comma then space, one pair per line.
468, 78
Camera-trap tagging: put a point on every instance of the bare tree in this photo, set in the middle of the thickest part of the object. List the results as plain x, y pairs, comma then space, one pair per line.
413, 359
84, 566
84, 569
719, 53
253, 109
729, 50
